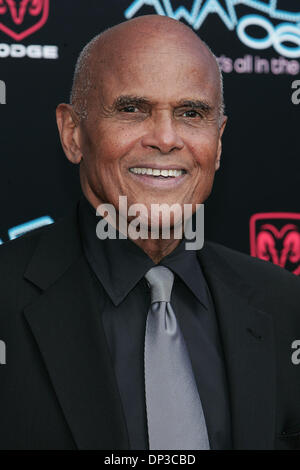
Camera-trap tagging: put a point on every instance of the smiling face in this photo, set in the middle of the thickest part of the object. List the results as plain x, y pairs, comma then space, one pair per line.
152, 131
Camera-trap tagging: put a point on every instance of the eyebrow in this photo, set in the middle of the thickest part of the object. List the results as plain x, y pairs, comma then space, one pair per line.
196, 104
127, 100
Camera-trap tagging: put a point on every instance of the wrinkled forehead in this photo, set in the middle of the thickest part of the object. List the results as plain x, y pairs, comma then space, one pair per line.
161, 66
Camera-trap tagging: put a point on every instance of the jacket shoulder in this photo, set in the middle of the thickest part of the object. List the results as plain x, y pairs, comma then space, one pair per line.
16, 254
17, 251
274, 281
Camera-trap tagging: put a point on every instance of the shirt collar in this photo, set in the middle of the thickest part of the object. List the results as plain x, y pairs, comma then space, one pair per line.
120, 264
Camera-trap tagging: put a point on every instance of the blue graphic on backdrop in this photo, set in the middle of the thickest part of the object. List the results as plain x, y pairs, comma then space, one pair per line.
19, 230
274, 35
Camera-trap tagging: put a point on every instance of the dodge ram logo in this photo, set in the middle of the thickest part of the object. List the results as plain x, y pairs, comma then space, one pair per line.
20, 18
275, 237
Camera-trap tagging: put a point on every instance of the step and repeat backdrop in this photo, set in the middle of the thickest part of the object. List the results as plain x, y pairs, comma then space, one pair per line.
255, 203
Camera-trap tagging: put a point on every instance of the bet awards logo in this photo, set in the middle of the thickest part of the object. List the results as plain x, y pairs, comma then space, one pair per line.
275, 237
276, 28
20, 19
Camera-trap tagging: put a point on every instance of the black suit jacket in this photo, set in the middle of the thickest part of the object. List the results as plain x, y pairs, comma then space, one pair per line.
58, 389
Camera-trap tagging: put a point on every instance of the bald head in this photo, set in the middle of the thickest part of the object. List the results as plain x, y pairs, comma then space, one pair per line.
145, 31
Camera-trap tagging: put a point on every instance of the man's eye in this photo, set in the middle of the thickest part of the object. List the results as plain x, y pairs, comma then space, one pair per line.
192, 114
129, 109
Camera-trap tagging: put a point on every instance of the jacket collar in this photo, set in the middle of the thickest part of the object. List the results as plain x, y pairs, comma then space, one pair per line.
120, 263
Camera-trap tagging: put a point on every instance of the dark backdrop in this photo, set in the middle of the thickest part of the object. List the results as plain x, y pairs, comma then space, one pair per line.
258, 182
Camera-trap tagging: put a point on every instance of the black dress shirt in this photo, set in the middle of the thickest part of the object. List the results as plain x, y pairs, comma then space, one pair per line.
120, 266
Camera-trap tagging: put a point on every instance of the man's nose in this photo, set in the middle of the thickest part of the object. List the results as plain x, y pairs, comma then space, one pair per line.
163, 136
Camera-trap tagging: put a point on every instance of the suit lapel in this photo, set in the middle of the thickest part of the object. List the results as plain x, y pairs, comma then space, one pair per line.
66, 323
247, 336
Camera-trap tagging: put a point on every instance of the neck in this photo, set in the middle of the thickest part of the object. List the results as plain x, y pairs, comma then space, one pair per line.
157, 249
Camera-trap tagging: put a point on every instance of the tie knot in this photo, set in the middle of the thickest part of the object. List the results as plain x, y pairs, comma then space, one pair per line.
160, 280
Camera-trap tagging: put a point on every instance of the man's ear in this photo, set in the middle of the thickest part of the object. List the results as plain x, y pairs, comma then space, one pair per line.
68, 127
219, 151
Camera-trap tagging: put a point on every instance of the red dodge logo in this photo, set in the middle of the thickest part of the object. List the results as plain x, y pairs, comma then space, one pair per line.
20, 18
275, 237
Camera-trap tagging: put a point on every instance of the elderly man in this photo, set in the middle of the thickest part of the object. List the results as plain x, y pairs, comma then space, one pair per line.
122, 343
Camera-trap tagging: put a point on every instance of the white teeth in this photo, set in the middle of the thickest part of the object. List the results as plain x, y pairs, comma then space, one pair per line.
156, 172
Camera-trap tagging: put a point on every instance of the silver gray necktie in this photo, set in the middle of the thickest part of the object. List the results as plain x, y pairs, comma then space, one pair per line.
174, 411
